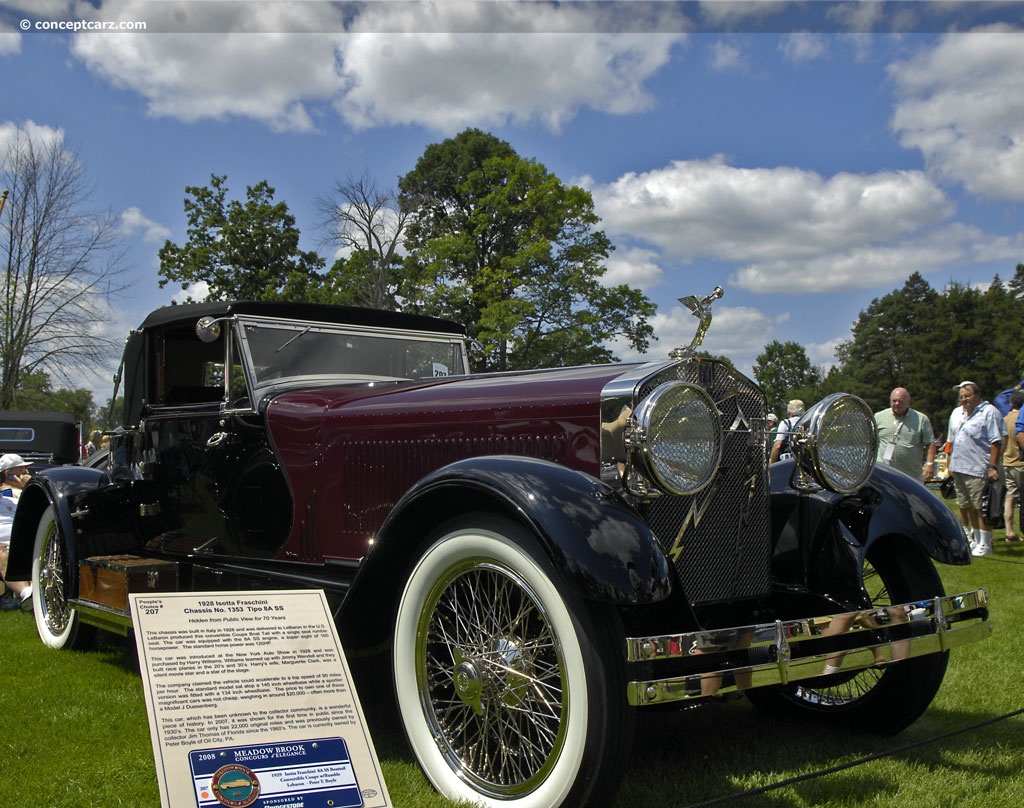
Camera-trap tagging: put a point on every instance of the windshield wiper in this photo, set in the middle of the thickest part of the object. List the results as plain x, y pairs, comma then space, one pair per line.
303, 332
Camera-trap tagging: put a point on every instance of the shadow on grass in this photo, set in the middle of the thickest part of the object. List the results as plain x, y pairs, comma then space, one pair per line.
719, 753
117, 651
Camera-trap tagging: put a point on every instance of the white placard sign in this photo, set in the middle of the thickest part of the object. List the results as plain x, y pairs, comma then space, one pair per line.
251, 702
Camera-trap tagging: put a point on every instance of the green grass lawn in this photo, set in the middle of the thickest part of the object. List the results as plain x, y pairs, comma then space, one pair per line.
76, 732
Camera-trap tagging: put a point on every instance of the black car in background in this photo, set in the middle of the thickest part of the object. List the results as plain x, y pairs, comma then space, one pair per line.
51, 438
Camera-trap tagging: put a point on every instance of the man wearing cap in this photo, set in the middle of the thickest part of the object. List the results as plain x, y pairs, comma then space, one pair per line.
14, 473
905, 437
770, 428
977, 446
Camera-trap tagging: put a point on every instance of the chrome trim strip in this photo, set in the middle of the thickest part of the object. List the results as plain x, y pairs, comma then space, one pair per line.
784, 651
102, 616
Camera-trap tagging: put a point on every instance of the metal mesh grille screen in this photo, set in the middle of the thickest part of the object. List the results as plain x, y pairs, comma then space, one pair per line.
719, 539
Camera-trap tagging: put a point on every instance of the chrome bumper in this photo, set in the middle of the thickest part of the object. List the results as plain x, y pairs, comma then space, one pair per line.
736, 659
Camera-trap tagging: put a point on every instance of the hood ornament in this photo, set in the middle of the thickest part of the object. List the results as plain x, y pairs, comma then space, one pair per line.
700, 307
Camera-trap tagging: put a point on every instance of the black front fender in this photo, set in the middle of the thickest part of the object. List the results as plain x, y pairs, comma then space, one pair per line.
820, 539
602, 548
599, 546
55, 486
906, 506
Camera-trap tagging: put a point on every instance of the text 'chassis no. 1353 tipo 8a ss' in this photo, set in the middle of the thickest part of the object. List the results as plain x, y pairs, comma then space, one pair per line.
543, 553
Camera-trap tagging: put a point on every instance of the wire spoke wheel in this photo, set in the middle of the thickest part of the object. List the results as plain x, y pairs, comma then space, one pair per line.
512, 691
850, 688
494, 679
52, 592
57, 624
891, 695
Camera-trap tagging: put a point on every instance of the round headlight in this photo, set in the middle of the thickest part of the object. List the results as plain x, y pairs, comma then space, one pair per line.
680, 437
842, 444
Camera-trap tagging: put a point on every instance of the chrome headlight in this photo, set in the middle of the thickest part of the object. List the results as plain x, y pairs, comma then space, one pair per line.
839, 442
677, 435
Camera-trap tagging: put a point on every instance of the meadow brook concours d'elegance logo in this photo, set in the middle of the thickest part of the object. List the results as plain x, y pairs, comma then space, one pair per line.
235, 786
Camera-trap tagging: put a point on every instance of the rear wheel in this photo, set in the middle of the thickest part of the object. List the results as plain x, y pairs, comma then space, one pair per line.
511, 691
58, 624
883, 699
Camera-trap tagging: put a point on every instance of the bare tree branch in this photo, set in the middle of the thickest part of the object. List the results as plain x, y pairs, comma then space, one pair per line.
61, 265
363, 220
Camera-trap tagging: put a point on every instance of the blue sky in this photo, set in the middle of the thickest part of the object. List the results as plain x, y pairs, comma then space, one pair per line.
807, 157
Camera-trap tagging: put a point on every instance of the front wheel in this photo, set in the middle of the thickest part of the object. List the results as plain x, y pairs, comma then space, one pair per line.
883, 699
58, 625
512, 692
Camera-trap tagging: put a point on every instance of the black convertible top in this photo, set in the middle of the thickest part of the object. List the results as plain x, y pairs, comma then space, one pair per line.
316, 312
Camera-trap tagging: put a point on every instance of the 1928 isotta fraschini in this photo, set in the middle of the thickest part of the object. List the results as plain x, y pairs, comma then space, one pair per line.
543, 553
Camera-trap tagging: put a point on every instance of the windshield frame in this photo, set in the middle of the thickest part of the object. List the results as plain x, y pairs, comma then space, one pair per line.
252, 359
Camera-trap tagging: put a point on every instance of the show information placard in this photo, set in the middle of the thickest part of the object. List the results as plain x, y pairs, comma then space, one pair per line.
251, 702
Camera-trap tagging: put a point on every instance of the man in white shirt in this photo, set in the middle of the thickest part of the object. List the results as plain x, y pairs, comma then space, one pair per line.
781, 450
977, 447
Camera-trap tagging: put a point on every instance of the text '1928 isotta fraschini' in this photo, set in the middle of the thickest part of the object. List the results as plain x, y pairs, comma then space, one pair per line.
539, 555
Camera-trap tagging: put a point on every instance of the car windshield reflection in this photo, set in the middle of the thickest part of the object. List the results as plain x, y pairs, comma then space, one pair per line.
279, 352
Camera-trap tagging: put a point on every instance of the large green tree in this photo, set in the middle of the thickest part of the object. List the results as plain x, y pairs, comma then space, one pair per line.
241, 250
497, 242
784, 372
37, 393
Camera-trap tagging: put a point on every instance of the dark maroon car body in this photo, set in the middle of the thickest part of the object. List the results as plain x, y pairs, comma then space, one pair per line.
277, 446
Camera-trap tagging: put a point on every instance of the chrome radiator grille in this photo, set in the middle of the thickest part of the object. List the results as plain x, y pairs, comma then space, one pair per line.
719, 539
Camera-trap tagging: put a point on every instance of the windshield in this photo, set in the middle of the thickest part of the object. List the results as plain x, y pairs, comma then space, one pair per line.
280, 351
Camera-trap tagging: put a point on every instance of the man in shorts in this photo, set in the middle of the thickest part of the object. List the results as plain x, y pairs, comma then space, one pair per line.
977, 448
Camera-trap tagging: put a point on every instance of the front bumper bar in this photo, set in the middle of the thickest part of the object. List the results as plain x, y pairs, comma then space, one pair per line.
736, 659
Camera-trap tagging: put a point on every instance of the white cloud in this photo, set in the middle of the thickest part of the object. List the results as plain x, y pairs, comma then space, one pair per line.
960, 103
727, 14
823, 354
269, 77
196, 293
636, 267
545, 72
789, 229
533, 66
861, 17
726, 56
134, 221
803, 46
41, 136
10, 41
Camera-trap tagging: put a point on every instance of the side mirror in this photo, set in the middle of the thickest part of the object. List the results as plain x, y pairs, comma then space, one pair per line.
208, 329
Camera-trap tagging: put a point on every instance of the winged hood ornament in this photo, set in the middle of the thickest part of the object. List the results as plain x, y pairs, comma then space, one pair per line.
700, 307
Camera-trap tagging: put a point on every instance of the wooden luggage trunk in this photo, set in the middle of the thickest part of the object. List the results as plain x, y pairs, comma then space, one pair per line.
107, 580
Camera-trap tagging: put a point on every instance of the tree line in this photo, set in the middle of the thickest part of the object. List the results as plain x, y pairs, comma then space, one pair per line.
475, 233
915, 337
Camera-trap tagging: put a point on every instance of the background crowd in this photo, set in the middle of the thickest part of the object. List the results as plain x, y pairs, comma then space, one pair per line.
980, 462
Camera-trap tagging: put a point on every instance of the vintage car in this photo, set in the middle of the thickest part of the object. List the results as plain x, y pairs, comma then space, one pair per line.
41, 438
542, 553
